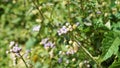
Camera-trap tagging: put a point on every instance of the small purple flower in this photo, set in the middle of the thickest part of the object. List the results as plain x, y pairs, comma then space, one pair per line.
44, 41
59, 60
59, 32
63, 30
67, 52
98, 12
36, 28
49, 44
16, 49
71, 51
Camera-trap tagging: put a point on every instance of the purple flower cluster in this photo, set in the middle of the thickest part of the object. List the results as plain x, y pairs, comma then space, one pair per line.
43, 41
59, 60
66, 28
14, 48
15, 52
47, 43
62, 30
73, 49
70, 51
86, 63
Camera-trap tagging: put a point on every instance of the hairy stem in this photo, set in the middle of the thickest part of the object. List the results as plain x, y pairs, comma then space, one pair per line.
23, 61
87, 52
38, 10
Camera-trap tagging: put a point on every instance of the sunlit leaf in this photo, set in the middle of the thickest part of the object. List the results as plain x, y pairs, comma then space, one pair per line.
30, 43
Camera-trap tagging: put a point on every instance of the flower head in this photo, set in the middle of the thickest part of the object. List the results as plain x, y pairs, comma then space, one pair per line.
59, 60
49, 44
11, 43
44, 41
36, 28
98, 12
62, 30
16, 49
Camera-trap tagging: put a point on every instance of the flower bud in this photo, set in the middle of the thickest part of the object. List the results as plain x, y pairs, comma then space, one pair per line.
40, 7
11, 44
80, 64
7, 52
60, 52
67, 61
70, 42
38, 20
67, 46
74, 26
85, 61
117, 2
73, 59
63, 53
75, 47
70, 28
88, 65
74, 44
67, 24
47, 48
51, 54
35, 11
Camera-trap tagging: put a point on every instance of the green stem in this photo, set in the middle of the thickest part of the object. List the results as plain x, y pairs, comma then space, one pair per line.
38, 10
23, 61
88, 53
69, 14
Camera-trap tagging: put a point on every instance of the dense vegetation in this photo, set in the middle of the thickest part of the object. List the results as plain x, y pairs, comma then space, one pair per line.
59, 33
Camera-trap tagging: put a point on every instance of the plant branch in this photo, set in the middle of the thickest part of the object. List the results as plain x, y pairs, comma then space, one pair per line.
68, 6
87, 52
41, 14
23, 61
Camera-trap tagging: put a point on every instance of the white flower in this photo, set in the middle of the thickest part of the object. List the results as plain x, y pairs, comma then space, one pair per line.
12, 43
43, 41
16, 49
36, 28
62, 30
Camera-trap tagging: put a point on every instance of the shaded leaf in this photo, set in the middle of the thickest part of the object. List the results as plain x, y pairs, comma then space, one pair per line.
112, 48
115, 65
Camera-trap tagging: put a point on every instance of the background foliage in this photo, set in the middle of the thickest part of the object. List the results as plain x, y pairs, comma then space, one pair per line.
93, 39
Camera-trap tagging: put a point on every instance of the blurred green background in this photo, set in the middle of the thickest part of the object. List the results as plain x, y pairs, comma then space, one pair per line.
97, 18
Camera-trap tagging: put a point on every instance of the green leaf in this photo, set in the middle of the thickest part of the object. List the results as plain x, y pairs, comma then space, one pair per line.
115, 65
38, 65
30, 43
116, 27
108, 25
17, 20
111, 48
